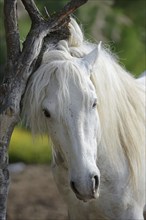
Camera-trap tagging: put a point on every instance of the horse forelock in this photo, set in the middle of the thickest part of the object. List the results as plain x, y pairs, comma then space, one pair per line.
58, 63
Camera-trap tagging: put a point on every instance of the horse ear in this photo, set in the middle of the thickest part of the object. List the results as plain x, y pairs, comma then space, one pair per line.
91, 58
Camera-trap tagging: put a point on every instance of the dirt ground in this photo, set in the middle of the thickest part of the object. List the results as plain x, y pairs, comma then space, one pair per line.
33, 196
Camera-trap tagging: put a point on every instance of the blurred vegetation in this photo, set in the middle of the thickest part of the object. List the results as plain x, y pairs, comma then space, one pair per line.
28, 150
120, 24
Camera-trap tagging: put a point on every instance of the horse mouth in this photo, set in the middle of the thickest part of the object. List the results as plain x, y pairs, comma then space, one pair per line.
86, 198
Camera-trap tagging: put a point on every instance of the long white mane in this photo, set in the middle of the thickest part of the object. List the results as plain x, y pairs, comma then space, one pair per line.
120, 97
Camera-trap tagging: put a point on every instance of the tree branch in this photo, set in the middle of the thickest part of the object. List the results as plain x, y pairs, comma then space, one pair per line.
44, 27
56, 21
11, 30
33, 11
69, 8
20, 66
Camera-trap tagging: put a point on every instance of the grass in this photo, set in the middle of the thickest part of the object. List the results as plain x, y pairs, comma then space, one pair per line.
25, 148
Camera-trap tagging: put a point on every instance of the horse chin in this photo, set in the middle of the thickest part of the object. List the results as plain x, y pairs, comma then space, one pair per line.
87, 198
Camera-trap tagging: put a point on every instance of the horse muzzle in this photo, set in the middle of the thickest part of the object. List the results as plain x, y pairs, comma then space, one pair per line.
88, 190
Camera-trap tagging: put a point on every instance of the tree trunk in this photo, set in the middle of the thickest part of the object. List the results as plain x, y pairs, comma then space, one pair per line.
20, 65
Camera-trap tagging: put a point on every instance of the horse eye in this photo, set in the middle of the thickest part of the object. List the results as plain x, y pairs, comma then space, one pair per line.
47, 113
94, 104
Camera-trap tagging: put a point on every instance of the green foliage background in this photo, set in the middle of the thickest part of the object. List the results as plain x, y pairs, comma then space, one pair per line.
25, 148
120, 24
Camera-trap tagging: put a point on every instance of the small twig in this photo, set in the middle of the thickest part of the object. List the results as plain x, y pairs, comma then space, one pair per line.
47, 13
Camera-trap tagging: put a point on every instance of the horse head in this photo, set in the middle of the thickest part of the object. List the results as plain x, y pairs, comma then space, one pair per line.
70, 112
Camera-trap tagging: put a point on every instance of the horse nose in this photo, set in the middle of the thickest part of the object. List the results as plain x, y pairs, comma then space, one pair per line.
95, 184
84, 191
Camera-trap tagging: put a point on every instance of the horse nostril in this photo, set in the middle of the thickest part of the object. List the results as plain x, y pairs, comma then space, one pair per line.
72, 184
95, 183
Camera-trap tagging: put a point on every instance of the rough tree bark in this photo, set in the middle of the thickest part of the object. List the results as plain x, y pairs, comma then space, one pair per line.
21, 63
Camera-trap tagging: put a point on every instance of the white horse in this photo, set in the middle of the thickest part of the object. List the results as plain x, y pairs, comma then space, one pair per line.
93, 110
